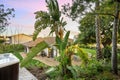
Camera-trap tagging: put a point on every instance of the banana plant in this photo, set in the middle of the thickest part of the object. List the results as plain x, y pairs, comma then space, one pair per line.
62, 46
66, 52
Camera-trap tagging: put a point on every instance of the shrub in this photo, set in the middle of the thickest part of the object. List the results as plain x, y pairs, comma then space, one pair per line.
92, 69
14, 49
106, 76
52, 72
107, 52
5, 48
2, 41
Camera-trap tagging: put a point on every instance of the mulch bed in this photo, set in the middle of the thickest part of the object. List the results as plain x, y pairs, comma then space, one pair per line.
39, 73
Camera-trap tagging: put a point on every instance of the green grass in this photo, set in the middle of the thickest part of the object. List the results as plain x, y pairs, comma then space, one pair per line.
92, 51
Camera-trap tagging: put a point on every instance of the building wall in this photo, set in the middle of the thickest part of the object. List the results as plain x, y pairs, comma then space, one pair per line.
19, 39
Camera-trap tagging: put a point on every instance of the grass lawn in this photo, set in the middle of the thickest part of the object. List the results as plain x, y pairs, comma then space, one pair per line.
92, 51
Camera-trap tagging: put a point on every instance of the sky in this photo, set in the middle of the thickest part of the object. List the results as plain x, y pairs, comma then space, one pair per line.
24, 19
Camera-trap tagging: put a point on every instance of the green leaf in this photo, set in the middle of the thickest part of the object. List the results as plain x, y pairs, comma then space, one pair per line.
35, 34
82, 55
58, 42
33, 52
74, 73
65, 40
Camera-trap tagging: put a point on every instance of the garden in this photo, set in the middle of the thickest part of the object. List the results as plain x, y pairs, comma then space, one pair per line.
96, 45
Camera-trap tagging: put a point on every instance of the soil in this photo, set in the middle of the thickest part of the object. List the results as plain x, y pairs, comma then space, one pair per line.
39, 73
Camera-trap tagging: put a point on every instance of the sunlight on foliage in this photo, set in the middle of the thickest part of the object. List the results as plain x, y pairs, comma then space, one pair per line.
79, 52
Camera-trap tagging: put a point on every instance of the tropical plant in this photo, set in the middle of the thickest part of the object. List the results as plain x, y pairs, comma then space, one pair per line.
65, 69
64, 58
49, 19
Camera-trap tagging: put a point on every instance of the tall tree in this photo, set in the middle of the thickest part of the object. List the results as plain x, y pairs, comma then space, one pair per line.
87, 29
5, 15
114, 40
97, 24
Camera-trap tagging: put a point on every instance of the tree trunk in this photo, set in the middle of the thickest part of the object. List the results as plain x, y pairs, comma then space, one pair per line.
114, 41
97, 24
61, 32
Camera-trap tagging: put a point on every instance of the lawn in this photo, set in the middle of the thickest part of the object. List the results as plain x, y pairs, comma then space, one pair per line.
87, 50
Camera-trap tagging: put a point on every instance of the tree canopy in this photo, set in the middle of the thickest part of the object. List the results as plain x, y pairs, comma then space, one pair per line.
87, 13
5, 15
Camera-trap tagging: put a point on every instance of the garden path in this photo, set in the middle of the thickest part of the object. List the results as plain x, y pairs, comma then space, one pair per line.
49, 61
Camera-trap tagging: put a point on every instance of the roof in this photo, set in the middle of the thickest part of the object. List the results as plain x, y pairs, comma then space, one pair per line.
48, 40
33, 43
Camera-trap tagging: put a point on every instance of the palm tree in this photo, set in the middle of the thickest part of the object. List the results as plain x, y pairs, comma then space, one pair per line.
97, 24
49, 19
114, 41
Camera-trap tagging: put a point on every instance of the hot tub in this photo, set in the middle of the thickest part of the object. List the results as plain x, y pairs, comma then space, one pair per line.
9, 67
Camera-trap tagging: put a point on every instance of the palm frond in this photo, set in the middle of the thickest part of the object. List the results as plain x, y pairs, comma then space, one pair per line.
42, 22
53, 8
35, 34
49, 19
